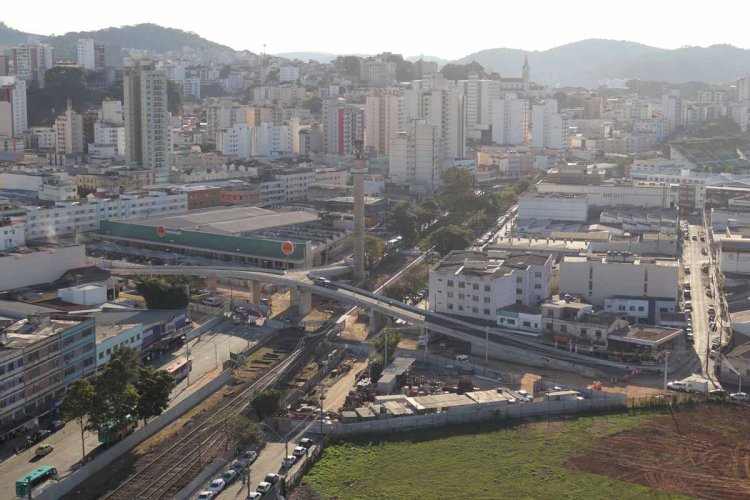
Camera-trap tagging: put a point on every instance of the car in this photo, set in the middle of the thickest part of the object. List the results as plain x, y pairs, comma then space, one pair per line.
709, 293
687, 270
694, 238
56, 425
254, 495
247, 458
677, 386
717, 393
272, 478
299, 451
525, 394
229, 476
306, 442
690, 337
205, 495
703, 238
43, 450
288, 461
264, 487
739, 396
703, 251
216, 486
39, 435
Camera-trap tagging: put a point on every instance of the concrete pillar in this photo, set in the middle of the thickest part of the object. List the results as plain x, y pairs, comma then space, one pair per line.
302, 299
376, 323
358, 176
254, 291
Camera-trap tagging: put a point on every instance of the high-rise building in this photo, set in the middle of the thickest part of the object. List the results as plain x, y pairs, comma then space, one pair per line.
90, 54
13, 112
377, 72
31, 61
3, 65
414, 158
112, 112
510, 123
343, 124
743, 89
69, 132
147, 118
592, 107
671, 109
437, 100
549, 129
384, 118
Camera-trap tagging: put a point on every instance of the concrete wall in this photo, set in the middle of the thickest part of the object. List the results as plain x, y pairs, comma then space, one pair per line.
44, 266
76, 478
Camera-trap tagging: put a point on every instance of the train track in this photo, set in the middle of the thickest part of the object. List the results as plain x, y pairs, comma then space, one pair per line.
163, 476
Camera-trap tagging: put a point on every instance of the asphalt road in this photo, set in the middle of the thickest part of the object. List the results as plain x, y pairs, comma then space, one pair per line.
208, 352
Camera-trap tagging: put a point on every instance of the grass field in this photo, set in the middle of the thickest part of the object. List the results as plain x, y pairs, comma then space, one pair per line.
477, 462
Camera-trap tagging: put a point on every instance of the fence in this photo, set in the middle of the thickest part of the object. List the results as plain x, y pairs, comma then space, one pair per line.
293, 478
76, 478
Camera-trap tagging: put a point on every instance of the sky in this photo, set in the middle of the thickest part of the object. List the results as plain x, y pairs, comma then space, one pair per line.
441, 28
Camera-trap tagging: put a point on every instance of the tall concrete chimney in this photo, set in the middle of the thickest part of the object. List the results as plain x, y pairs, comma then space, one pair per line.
358, 176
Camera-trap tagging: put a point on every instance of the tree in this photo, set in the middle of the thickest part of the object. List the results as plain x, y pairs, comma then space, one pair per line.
239, 430
154, 387
404, 222
160, 293
449, 238
266, 402
115, 395
430, 204
461, 71
77, 405
374, 250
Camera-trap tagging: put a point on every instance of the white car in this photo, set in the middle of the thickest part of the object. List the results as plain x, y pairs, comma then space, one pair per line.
216, 486
254, 495
677, 386
739, 396
288, 461
525, 394
229, 476
205, 495
263, 487
299, 451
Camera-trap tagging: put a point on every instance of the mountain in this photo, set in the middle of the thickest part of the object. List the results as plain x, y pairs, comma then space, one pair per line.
151, 37
321, 57
440, 61
589, 61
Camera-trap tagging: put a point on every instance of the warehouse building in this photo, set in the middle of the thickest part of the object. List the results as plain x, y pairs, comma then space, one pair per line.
251, 236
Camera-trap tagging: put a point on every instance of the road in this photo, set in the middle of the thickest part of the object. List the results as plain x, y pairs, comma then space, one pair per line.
694, 260
212, 349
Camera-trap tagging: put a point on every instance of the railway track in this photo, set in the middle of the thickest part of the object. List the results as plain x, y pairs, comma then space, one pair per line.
163, 476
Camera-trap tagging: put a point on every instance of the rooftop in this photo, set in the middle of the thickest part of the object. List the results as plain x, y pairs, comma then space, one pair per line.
438, 401
646, 335
104, 331
491, 396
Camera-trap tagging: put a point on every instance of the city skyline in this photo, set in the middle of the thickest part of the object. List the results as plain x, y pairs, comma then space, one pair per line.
336, 27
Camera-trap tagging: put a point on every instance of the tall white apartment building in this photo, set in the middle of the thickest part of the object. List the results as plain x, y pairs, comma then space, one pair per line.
343, 125
110, 134
743, 89
191, 87
479, 284
147, 134
69, 132
271, 139
738, 111
288, 74
671, 109
437, 100
598, 277
414, 158
218, 117
86, 53
236, 141
549, 129
71, 218
31, 61
384, 118
13, 110
112, 112
510, 122
377, 72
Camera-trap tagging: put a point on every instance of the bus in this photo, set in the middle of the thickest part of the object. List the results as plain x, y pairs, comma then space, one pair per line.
27, 483
111, 433
179, 370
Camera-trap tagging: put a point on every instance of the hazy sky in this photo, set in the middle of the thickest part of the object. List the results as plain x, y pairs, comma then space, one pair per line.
443, 28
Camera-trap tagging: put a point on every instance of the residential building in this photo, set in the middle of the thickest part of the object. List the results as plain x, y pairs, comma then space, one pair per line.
109, 134
510, 123
640, 309
480, 284
13, 110
12, 234
236, 141
672, 109
191, 87
78, 350
596, 277
331, 176
31, 61
564, 320
549, 129
574, 208
520, 317
270, 139
343, 125
384, 119
743, 89
110, 337
112, 112
734, 255
90, 54
288, 74
69, 132
40, 139
147, 139
377, 72
414, 158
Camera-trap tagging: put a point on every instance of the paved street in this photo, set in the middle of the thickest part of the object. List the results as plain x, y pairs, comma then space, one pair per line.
210, 350
700, 302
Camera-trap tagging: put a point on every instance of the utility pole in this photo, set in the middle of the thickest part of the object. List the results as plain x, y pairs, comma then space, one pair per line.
666, 369
486, 346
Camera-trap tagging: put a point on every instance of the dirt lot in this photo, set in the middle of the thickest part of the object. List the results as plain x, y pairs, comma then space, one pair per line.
702, 452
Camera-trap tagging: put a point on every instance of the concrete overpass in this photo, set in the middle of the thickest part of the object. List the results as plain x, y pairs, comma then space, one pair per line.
500, 344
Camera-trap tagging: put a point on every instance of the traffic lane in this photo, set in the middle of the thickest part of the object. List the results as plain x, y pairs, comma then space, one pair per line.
700, 302
269, 461
67, 453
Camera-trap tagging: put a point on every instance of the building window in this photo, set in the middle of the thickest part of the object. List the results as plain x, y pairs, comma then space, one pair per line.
486, 300
461, 296
519, 291
548, 326
538, 286
461, 284
450, 306
632, 308
475, 298
564, 328
598, 334
450, 282
487, 311
460, 307
583, 331
475, 286
450, 295
640, 308
475, 310
486, 288
527, 324
519, 279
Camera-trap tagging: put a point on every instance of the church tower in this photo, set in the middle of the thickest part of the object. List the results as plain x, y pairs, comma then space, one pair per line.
526, 76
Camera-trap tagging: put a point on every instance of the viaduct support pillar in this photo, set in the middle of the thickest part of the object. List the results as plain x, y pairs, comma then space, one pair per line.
376, 323
254, 291
302, 300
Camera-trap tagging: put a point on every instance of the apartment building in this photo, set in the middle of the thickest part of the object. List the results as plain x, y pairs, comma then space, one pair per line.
480, 284
13, 111
510, 120
384, 116
414, 158
549, 128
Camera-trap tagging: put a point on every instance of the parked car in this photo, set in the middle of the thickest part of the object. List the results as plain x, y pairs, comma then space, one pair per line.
272, 478
288, 461
687, 270
677, 386
525, 394
216, 486
38, 436
717, 393
205, 495
299, 451
254, 495
229, 476
43, 450
56, 425
306, 442
264, 487
739, 396
694, 238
